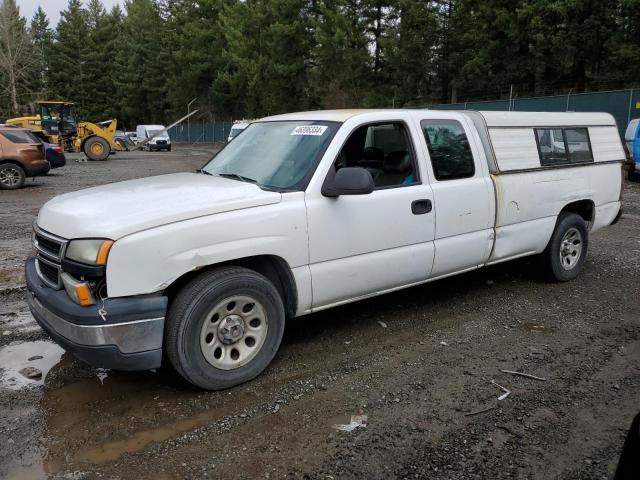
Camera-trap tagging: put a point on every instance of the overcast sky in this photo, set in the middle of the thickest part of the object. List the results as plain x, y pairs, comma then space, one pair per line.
53, 7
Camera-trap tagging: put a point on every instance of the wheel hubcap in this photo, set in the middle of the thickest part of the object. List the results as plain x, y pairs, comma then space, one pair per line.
9, 177
570, 249
231, 329
233, 332
96, 148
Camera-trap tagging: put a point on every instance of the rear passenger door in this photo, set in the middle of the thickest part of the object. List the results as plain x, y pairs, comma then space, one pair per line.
463, 194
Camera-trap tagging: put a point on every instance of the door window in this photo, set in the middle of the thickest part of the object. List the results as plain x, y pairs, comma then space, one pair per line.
384, 149
449, 149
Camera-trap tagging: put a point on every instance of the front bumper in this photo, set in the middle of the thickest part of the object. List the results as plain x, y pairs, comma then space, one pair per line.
153, 146
129, 339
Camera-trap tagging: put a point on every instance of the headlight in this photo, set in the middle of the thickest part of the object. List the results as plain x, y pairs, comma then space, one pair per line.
90, 252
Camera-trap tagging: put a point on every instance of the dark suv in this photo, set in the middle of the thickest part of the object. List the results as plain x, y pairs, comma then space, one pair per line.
22, 155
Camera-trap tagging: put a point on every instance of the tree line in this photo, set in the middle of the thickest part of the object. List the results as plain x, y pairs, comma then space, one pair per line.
248, 58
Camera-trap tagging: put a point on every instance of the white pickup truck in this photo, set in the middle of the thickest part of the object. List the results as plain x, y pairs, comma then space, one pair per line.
310, 210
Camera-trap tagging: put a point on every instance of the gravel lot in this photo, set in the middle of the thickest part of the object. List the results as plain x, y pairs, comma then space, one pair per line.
418, 363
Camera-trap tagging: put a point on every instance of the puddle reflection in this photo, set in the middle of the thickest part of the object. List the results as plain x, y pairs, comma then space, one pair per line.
15, 357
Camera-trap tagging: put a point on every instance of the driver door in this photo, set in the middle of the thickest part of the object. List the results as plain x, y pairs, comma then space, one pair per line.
360, 245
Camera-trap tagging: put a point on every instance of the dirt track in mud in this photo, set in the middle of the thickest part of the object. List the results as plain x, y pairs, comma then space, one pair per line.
418, 363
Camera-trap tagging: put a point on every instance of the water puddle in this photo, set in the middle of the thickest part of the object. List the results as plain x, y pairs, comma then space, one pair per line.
15, 357
127, 412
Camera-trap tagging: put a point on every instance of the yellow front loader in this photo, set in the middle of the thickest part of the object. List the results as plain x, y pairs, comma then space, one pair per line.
56, 123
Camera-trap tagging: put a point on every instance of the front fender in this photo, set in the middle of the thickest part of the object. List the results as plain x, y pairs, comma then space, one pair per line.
150, 260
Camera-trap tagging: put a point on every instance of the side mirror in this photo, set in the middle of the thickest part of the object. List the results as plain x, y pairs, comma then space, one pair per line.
348, 181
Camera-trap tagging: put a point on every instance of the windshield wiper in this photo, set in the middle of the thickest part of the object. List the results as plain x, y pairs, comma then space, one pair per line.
204, 172
238, 177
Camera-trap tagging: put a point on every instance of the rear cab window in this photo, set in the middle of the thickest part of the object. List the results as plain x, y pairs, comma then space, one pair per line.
449, 149
563, 146
19, 136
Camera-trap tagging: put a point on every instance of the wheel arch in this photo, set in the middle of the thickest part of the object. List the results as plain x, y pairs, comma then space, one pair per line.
585, 208
13, 161
274, 268
84, 140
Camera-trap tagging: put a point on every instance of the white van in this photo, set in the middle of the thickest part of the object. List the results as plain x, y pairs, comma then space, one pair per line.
306, 211
160, 140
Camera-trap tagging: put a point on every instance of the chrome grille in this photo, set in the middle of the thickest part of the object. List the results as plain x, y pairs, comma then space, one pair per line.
49, 254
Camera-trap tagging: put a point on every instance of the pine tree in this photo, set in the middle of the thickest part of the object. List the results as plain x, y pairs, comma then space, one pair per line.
341, 73
265, 64
411, 60
41, 40
67, 75
104, 34
144, 58
197, 50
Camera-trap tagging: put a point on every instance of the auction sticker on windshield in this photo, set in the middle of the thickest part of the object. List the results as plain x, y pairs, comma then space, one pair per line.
315, 130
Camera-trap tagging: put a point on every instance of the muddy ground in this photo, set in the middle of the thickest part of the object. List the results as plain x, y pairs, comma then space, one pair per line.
418, 363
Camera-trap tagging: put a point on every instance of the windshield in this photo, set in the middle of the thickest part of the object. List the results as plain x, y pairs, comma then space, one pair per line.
151, 133
274, 154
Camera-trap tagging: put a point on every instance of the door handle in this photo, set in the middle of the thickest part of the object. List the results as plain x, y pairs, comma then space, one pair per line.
422, 206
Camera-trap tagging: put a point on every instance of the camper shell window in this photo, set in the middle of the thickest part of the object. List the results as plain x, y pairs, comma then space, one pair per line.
563, 146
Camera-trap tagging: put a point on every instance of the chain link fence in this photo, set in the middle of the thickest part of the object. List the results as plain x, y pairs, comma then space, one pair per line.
200, 132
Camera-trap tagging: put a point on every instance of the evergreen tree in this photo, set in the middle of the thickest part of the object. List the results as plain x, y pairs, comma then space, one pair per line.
104, 41
68, 77
41, 39
268, 45
257, 57
341, 71
411, 58
197, 50
144, 57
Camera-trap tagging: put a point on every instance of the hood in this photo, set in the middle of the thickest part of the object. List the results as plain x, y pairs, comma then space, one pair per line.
119, 209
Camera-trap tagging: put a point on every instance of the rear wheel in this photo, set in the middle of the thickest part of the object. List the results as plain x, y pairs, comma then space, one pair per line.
96, 148
632, 175
12, 176
224, 327
566, 252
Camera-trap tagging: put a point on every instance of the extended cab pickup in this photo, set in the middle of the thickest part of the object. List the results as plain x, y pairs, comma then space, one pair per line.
310, 210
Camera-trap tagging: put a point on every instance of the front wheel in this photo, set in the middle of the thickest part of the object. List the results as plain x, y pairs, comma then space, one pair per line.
224, 327
566, 252
96, 148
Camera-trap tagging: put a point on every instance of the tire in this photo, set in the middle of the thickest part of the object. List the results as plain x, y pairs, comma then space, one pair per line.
566, 252
12, 176
123, 145
96, 148
632, 176
212, 316
169, 149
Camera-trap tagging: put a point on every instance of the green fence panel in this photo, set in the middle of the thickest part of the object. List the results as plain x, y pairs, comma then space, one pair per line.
200, 132
615, 103
541, 104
